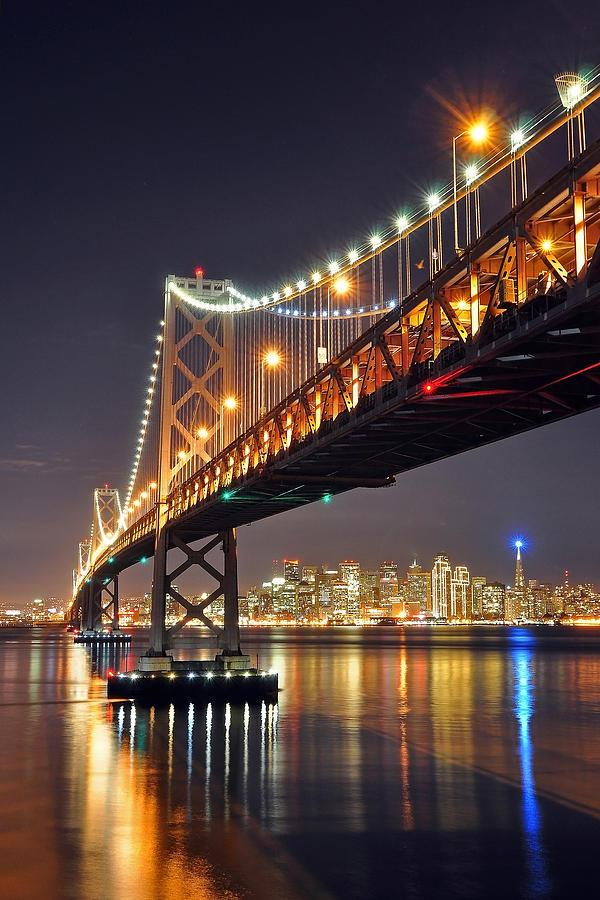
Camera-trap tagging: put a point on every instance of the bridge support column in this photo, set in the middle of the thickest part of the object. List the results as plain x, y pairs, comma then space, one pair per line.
112, 607
92, 610
158, 638
228, 637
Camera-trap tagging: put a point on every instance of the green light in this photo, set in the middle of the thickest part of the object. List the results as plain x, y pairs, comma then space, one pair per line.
87, 580
326, 498
111, 559
227, 495
144, 559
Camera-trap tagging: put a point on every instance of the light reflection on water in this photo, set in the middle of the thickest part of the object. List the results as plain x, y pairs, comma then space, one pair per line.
437, 763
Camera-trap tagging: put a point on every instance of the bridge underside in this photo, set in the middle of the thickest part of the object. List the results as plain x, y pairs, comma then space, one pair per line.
504, 339
541, 365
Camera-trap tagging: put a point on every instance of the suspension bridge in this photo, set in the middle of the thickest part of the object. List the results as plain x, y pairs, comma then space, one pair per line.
438, 334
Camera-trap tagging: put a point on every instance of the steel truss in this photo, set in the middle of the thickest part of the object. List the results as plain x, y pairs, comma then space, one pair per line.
228, 636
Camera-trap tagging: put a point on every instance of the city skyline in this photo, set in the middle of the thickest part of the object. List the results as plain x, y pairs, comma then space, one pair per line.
388, 581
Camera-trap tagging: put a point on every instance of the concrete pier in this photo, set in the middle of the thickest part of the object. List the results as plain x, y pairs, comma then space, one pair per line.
102, 637
200, 681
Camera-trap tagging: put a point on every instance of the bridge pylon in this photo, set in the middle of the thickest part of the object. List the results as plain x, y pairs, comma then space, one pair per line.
191, 382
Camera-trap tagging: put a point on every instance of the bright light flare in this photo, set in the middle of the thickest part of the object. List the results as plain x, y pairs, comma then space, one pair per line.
230, 403
433, 201
333, 268
517, 139
272, 358
546, 245
479, 132
353, 257
341, 285
202, 433
401, 224
470, 174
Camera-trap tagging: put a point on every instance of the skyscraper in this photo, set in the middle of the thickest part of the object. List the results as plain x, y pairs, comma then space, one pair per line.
349, 572
291, 569
517, 598
493, 598
460, 594
418, 585
477, 585
441, 581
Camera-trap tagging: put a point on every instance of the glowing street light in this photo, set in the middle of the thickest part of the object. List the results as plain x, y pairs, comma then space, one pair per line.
433, 201
517, 139
470, 174
571, 88
353, 257
401, 224
478, 133
270, 360
202, 433
341, 285
229, 403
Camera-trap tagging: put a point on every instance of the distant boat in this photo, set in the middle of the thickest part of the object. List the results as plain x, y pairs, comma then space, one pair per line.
389, 621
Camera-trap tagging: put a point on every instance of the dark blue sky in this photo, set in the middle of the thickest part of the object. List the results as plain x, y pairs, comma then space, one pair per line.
142, 138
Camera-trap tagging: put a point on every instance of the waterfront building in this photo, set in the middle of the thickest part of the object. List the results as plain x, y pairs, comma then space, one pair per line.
369, 590
323, 598
441, 582
460, 594
339, 599
477, 584
284, 599
349, 573
306, 605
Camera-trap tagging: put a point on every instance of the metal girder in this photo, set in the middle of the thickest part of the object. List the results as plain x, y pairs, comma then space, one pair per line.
548, 257
228, 636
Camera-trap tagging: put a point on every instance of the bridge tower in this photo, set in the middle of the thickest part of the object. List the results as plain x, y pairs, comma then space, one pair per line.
106, 520
197, 381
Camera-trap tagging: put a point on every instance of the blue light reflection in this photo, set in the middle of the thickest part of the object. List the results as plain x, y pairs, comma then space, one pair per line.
523, 687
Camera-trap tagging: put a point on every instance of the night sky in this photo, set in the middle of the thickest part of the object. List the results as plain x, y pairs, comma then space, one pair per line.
144, 138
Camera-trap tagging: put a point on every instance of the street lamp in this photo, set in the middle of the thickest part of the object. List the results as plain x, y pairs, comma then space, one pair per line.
270, 360
478, 133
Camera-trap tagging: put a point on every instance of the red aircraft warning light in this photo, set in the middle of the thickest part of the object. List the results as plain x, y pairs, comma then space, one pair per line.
428, 387
199, 272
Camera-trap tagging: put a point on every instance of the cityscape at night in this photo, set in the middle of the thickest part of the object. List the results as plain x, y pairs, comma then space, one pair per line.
299, 576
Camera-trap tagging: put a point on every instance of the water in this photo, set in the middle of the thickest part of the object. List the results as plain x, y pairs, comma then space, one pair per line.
438, 762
